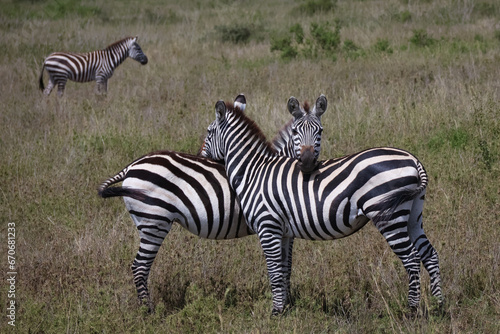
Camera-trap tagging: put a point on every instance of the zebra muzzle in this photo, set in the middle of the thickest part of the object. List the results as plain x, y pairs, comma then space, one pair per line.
307, 161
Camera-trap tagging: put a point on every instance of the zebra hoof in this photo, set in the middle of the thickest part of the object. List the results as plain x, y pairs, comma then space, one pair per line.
147, 305
276, 312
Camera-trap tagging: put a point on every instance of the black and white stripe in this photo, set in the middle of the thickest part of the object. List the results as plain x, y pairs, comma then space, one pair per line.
166, 187
385, 185
83, 67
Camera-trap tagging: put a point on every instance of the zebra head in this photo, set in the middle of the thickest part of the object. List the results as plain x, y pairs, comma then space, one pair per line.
306, 131
135, 52
211, 147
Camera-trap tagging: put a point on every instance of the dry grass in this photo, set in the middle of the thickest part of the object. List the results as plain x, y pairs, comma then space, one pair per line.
75, 249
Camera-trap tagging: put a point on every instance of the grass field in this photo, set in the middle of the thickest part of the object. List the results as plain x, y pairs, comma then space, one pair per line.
418, 75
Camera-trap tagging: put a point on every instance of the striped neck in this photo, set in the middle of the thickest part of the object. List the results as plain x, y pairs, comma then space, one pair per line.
282, 142
244, 145
118, 51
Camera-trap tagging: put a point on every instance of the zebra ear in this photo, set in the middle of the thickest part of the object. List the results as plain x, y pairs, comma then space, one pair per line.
320, 106
220, 110
240, 102
294, 107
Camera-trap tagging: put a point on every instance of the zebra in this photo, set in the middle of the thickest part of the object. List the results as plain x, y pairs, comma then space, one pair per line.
279, 202
163, 187
84, 67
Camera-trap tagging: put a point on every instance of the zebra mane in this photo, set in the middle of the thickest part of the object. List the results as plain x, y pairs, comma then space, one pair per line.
306, 107
121, 41
253, 128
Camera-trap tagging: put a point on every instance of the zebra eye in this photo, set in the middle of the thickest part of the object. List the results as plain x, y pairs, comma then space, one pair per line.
294, 131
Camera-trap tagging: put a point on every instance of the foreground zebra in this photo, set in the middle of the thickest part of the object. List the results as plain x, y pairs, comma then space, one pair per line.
385, 185
83, 67
166, 186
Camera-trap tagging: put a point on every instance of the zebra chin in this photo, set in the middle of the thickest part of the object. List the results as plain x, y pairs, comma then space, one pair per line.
307, 161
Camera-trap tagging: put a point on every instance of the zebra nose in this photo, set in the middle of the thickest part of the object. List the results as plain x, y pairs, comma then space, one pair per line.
307, 160
144, 60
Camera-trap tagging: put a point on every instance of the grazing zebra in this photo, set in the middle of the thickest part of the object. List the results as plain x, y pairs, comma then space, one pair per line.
385, 185
163, 187
83, 67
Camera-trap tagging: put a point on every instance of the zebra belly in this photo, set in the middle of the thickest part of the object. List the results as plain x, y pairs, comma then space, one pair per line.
330, 230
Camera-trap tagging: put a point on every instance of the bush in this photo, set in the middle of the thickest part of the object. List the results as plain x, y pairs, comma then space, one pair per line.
284, 44
235, 33
311, 7
382, 45
326, 38
421, 38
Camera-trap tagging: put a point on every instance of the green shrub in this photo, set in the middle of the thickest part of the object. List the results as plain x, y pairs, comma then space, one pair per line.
404, 16
325, 37
284, 44
382, 45
298, 32
421, 38
235, 33
311, 7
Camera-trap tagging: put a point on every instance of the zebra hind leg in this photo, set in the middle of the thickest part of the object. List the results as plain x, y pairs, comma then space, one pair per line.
49, 87
427, 253
60, 88
396, 235
152, 236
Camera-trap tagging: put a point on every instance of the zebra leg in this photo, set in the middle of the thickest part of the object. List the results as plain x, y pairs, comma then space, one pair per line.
427, 253
271, 242
152, 234
396, 235
286, 262
60, 87
49, 87
102, 85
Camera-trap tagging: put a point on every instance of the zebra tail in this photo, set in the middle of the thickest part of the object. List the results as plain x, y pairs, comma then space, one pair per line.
388, 206
122, 192
42, 86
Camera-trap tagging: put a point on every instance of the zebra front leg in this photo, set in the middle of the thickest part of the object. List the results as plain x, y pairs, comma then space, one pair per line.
286, 254
271, 242
102, 85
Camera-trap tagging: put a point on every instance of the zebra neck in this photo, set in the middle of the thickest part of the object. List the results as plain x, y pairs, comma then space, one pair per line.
243, 158
282, 142
117, 54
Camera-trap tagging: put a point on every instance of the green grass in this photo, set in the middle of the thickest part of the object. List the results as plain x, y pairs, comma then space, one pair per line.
422, 76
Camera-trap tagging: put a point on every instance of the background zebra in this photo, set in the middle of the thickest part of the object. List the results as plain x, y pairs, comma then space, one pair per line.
166, 186
83, 67
386, 185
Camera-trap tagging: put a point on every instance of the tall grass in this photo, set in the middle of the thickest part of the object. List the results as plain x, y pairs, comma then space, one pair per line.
437, 99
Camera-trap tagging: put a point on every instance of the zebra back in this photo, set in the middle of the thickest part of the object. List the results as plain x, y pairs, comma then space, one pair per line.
373, 183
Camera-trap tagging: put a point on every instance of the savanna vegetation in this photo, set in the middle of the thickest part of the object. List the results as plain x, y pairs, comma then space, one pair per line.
418, 75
